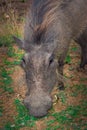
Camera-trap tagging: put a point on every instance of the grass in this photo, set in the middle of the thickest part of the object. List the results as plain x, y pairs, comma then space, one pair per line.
83, 79
5, 40
79, 89
62, 96
22, 119
12, 26
6, 81
74, 49
11, 51
68, 59
69, 118
1, 111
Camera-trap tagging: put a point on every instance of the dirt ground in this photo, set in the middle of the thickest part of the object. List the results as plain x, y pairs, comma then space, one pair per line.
73, 74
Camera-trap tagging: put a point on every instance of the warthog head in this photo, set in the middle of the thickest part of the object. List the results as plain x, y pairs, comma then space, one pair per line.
40, 67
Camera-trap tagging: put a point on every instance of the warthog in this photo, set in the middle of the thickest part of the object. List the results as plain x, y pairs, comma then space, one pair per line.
50, 26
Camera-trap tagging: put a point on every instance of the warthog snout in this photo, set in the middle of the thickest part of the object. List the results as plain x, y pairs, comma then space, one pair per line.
38, 105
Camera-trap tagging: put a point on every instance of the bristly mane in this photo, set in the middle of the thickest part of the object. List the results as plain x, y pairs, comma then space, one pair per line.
41, 17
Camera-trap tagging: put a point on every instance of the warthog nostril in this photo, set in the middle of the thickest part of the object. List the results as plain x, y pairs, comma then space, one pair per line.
38, 112
38, 108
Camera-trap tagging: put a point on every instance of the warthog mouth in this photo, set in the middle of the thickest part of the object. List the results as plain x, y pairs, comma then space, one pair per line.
38, 106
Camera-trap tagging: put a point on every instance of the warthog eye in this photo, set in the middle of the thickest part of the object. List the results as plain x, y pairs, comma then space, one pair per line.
23, 62
51, 60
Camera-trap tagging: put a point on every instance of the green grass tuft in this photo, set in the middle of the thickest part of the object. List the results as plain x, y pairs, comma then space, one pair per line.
79, 89
23, 118
6, 81
6, 40
10, 51
62, 97
69, 118
68, 59
74, 48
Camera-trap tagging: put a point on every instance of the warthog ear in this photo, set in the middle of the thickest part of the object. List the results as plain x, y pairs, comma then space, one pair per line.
23, 45
19, 42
